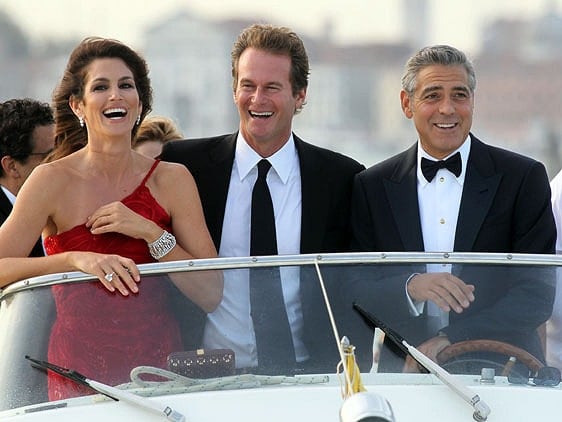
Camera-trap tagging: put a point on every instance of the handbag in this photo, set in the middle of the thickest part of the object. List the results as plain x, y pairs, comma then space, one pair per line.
202, 363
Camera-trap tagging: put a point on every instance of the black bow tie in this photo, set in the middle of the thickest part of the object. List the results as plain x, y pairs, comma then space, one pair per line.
453, 164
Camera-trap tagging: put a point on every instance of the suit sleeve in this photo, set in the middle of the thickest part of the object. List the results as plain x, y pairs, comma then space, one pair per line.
378, 288
535, 229
524, 295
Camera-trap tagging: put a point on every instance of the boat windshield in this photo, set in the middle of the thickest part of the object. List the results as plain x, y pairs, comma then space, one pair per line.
273, 319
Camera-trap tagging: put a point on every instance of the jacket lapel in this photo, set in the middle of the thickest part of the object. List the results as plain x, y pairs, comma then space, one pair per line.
480, 187
315, 182
402, 194
215, 186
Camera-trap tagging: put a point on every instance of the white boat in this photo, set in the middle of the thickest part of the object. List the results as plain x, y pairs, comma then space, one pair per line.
494, 381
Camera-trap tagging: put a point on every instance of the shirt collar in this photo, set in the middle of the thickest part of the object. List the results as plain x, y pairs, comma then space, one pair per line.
282, 161
464, 150
11, 197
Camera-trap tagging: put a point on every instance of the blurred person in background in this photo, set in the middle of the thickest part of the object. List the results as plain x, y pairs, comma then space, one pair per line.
554, 324
153, 133
27, 136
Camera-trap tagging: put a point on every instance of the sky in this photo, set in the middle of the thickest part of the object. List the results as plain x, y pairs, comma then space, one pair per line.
453, 22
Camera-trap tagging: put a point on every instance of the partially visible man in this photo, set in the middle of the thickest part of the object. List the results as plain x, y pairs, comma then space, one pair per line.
310, 190
27, 136
554, 324
451, 192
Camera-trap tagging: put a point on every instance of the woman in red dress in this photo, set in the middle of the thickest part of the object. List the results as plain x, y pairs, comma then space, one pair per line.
102, 208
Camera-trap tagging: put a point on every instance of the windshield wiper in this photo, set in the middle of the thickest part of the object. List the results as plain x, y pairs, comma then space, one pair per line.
109, 391
481, 409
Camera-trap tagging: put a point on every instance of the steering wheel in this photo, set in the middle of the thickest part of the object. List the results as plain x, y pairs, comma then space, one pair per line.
451, 355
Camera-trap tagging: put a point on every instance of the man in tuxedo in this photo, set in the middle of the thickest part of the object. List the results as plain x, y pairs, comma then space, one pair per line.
452, 192
27, 136
310, 189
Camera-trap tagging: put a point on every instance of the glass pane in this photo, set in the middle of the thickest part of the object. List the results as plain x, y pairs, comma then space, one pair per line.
218, 323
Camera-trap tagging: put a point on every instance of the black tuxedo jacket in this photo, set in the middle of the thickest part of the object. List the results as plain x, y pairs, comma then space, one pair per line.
5, 210
505, 207
326, 183
327, 179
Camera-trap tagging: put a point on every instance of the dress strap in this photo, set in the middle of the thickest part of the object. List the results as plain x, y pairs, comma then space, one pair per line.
156, 162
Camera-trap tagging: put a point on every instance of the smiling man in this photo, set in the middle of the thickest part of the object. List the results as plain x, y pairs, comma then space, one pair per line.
310, 189
451, 192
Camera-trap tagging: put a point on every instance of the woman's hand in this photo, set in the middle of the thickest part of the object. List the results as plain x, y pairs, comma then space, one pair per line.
115, 272
118, 218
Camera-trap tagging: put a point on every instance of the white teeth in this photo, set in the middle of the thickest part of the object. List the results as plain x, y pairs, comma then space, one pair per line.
445, 126
115, 113
115, 110
263, 114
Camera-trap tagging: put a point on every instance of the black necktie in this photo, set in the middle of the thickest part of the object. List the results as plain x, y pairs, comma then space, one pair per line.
273, 336
263, 239
453, 164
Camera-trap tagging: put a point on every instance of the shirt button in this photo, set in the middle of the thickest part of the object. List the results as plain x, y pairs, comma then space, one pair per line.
441, 179
442, 221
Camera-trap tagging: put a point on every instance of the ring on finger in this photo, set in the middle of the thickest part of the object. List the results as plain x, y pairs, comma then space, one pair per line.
109, 277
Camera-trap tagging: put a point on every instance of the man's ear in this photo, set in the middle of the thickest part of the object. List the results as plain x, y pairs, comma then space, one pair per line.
405, 102
9, 166
300, 98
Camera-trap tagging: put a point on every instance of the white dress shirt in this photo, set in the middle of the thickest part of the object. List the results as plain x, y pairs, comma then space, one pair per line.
230, 325
11, 197
439, 203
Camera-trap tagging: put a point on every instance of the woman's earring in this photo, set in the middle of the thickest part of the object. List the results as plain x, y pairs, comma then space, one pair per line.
138, 120
81, 121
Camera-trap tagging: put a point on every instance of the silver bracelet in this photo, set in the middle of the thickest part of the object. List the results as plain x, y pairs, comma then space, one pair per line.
162, 246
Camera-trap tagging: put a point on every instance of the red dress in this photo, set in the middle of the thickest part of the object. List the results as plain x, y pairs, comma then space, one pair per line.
101, 334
